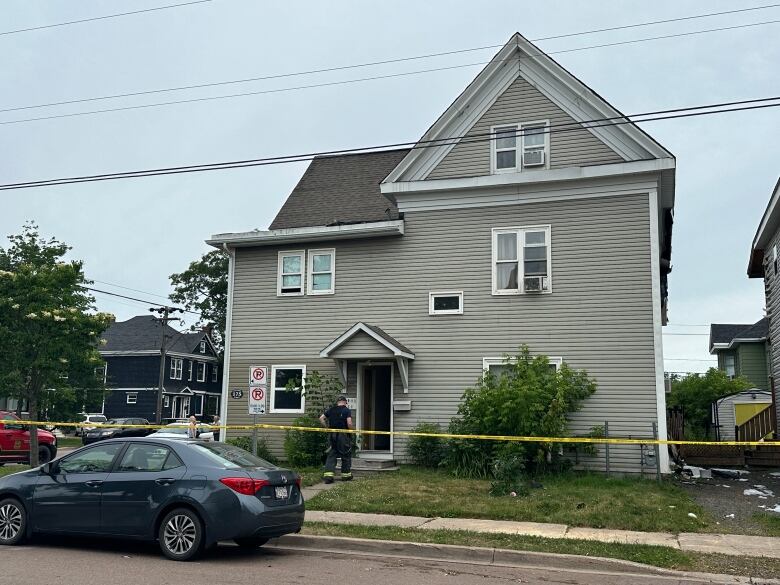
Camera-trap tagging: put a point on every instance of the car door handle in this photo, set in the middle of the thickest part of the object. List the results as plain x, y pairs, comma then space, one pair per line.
164, 481
94, 482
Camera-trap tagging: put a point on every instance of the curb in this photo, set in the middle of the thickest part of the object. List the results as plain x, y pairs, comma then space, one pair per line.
492, 556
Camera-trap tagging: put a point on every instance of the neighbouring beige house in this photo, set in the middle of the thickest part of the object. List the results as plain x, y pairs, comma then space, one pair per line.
407, 273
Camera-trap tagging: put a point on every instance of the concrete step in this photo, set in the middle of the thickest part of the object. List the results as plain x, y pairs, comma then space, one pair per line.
373, 464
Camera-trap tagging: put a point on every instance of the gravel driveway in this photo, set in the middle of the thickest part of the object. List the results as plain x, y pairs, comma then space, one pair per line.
735, 512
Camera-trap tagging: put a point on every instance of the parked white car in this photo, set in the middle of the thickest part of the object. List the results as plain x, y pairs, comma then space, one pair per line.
85, 424
178, 430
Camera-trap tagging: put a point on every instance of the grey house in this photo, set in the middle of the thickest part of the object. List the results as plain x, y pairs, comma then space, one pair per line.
764, 264
742, 350
408, 273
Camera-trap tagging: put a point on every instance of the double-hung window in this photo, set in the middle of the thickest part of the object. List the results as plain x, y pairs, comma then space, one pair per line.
201, 372
287, 388
505, 148
202, 347
520, 146
189, 376
290, 273
322, 272
214, 372
499, 365
177, 364
730, 364
521, 260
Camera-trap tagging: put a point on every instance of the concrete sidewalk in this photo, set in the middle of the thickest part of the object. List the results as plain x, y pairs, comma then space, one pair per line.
729, 544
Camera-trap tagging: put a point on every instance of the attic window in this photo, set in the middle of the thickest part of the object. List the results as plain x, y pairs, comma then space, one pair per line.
290, 273
517, 147
202, 347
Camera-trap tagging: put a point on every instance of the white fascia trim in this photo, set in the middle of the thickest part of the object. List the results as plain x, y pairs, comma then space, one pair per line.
658, 337
150, 352
309, 234
535, 178
357, 327
223, 407
761, 239
733, 342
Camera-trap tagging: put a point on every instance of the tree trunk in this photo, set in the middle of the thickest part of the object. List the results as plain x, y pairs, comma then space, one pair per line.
33, 409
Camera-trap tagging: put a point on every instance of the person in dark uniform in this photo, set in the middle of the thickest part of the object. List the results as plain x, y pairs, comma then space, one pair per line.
338, 416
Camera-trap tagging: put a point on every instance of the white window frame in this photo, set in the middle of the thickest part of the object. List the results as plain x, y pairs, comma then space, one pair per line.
177, 368
557, 361
202, 347
520, 231
494, 150
310, 271
523, 147
215, 373
733, 357
301, 367
203, 379
133, 396
189, 376
279, 273
454, 293
520, 146
166, 401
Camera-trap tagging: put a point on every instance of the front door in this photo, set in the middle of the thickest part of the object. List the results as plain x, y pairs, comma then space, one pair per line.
376, 400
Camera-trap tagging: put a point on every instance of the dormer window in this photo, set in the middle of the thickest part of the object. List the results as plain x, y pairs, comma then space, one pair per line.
202, 347
516, 147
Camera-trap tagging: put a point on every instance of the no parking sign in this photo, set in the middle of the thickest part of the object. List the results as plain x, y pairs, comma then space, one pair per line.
257, 400
258, 375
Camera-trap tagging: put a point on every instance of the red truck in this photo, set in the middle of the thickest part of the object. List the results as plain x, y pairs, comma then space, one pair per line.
15, 441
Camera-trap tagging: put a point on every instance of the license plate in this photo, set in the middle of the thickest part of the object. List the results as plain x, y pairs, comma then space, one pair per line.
281, 493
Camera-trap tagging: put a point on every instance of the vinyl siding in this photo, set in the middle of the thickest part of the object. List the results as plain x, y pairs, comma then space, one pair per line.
363, 346
522, 102
751, 358
726, 419
599, 316
772, 288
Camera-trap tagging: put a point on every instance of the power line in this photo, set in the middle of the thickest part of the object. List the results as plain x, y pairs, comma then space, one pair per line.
129, 288
565, 127
372, 78
113, 294
107, 16
373, 63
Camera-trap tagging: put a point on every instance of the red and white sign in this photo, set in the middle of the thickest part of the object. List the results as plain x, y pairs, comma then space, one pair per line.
257, 400
258, 375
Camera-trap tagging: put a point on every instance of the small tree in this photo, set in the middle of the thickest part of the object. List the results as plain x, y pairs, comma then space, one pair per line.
528, 398
48, 331
695, 394
203, 287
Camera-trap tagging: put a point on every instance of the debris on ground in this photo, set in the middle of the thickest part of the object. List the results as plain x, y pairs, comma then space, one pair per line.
696, 472
692, 515
759, 490
775, 509
729, 473
732, 515
775, 474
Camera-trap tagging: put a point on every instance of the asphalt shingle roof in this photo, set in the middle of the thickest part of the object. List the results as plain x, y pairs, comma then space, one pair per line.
727, 332
341, 189
144, 333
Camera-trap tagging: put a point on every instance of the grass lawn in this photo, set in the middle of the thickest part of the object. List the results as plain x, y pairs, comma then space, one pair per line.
658, 556
67, 442
591, 500
770, 523
8, 469
309, 475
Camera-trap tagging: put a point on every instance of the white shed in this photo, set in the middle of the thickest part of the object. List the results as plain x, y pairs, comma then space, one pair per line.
733, 410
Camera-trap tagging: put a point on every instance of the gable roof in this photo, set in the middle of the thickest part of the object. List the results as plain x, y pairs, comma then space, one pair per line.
342, 189
726, 335
769, 224
144, 333
379, 335
520, 57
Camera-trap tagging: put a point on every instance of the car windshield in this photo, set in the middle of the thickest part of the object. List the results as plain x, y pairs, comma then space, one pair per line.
117, 421
176, 430
97, 419
229, 456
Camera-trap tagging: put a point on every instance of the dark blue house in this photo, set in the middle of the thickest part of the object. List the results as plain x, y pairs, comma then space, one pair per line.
193, 377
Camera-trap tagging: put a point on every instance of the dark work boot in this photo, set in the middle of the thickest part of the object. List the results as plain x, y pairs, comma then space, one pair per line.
346, 476
327, 477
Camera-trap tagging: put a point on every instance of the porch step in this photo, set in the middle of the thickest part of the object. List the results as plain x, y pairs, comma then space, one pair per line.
362, 466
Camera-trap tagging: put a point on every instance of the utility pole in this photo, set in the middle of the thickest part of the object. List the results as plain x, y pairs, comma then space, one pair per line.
164, 319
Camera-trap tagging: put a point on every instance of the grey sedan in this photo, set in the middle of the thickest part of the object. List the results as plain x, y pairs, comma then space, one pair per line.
186, 494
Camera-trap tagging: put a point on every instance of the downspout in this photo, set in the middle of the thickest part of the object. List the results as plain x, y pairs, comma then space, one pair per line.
223, 408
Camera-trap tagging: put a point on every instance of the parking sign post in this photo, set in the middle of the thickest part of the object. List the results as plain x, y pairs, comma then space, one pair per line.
258, 380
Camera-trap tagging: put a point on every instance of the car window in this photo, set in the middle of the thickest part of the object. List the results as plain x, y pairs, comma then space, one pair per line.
97, 419
143, 457
229, 456
172, 462
92, 460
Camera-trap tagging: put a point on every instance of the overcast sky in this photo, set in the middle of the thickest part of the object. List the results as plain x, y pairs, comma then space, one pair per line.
135, 233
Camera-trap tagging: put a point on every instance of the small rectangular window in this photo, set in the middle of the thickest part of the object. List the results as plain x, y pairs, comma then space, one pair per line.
322, 272
167, 401
201, 372
290, 273
445, 303
499, 365
177, 365
730, 365
202, 347
286, 388
132, 397
190, 372
214, 373
521, 260
505, 148
534, 137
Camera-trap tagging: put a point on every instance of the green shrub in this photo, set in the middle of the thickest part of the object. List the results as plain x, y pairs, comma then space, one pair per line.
426, 451
245, 443
529, 398
305, 448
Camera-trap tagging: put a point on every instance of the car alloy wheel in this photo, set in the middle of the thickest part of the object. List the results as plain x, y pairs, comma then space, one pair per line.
181, 535
11, 522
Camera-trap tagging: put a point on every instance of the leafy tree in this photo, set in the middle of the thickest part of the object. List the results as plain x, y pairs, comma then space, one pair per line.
49, 332
203, 287
528, 398
695, 394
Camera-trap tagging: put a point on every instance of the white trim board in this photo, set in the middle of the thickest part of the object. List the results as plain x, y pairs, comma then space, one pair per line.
152, 352
521, 58
223, 407
309, 234
356, 328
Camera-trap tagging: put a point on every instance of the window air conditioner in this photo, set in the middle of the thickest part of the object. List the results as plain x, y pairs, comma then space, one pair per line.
535, 284
533, 158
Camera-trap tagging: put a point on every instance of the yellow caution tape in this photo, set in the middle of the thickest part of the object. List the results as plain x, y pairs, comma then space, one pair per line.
513, 438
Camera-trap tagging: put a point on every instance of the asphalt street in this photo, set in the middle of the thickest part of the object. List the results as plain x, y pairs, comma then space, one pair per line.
70, 561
